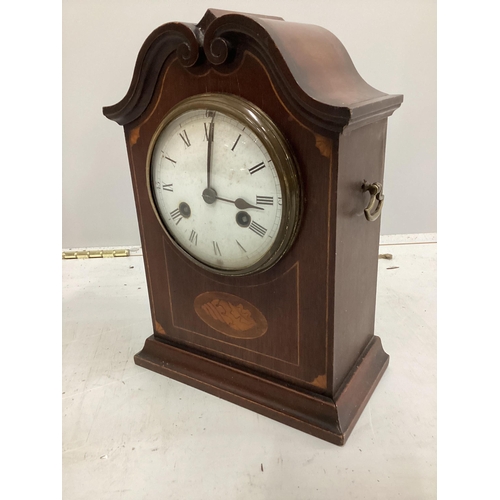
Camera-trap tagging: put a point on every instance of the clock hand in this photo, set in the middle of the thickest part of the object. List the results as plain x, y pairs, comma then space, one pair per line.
240, 203
209, 150
210, 195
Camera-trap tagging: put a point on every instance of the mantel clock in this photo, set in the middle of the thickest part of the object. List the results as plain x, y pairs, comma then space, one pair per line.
256, 153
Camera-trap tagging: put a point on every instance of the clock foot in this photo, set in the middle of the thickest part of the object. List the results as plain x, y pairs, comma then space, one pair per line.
328, 418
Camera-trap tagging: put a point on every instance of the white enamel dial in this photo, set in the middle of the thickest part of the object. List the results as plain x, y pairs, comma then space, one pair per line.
217, 189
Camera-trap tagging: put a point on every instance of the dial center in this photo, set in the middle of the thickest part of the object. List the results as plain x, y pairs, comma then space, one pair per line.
209, 195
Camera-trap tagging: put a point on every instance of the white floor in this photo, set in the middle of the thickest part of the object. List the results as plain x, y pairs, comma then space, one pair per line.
131, 434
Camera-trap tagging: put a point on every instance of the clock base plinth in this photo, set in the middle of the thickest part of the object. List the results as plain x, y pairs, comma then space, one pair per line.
331, 419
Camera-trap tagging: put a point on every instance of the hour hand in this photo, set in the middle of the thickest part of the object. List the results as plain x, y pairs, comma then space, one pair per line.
240, 203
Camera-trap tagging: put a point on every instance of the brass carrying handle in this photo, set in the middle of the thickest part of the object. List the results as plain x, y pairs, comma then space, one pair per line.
375, 190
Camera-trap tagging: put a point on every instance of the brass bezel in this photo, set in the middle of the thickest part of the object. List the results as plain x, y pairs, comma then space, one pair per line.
286, 167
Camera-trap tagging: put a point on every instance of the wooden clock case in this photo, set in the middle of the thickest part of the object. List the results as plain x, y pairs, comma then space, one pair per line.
316, 361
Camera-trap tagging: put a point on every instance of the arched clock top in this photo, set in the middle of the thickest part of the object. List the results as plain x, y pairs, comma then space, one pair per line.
308, 65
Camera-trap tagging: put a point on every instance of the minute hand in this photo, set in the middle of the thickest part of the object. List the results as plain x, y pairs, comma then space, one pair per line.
209, 150
240, 203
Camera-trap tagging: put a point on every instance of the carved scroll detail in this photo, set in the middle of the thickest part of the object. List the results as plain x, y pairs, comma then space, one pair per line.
188, 52
218, 51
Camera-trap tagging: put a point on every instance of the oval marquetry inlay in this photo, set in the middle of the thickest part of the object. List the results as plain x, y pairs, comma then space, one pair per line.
230, 315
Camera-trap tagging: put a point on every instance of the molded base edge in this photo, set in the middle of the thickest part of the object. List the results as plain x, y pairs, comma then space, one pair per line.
320, 416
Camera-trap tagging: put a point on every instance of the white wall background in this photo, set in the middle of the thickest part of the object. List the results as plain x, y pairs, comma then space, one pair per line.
392, 44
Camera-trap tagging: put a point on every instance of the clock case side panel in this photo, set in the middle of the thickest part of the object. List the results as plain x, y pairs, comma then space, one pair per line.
361, 158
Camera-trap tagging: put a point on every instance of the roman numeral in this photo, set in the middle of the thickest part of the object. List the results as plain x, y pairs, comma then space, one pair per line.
232, 149
264, 200
239, 244
216, 249
185, 138
209, 132
209, 128
258, 167
176, 216
194, 237
165, 187
169, 159
258, 229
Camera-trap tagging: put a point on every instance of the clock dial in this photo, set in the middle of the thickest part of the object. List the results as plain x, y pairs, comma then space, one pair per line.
217, 189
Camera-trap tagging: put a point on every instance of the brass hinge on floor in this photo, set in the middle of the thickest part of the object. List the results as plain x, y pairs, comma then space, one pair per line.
95, 254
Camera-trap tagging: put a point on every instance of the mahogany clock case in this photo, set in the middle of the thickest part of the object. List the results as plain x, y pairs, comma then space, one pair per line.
311, 360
